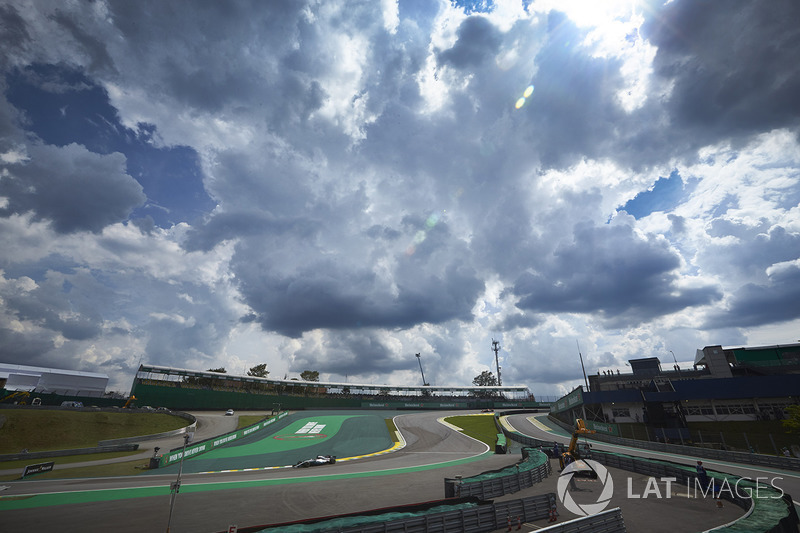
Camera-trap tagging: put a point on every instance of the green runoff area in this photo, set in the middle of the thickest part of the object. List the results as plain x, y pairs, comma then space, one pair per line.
301, 436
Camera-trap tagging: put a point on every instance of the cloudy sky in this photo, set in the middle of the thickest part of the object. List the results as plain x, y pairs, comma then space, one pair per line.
338, 185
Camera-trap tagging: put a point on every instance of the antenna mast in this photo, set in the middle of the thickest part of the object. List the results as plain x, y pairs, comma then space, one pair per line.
496, 348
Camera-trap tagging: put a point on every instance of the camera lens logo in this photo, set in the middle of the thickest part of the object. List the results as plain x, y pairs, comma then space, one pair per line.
585, 509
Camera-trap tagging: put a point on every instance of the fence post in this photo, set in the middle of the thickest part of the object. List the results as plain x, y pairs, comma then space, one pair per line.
700, 434
774, 445
722, 438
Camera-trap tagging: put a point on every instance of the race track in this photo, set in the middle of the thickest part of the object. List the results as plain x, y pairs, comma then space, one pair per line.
210, 502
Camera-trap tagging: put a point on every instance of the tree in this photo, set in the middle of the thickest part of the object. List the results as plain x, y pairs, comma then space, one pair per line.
792, 424
309, 375
220, 370
485, 379
259, 371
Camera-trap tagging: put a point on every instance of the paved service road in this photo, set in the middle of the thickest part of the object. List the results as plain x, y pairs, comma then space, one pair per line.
212, 502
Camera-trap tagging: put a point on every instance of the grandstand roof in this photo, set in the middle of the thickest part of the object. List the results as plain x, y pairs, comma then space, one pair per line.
21, 377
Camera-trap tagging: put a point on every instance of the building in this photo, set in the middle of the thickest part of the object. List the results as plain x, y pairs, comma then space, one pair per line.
724, 384
52, 380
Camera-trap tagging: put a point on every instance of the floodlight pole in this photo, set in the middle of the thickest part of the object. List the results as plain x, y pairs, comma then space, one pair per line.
419, 360
496, 349
176, 486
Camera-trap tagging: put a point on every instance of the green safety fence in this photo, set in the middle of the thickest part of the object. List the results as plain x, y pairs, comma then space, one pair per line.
531, 459
207, 445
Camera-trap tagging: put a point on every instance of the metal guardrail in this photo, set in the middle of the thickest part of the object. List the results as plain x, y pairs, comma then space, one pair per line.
787, 463
65, 453
604, 522
174, 433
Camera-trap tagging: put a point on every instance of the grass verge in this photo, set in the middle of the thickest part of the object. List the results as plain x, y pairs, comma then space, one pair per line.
126, 468
54, 429
480, 427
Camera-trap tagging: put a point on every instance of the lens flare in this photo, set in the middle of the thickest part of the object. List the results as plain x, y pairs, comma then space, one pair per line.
524, 98
528, 92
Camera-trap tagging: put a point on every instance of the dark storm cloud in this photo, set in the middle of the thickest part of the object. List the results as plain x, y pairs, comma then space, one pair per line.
754, 250
764, 303
609, 270
21, 348
733, 64
64, 303
347, 353
322, 294
14, 31
75, 190
89, 44
478, 41
515, 321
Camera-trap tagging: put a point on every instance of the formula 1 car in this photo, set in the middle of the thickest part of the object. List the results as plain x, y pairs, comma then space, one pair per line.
317, 461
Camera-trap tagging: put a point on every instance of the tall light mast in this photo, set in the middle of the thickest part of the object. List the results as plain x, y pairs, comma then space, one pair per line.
496, 348
419, 360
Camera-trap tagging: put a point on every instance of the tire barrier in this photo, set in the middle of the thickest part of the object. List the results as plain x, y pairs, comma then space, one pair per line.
772, 461
533, 468
467, 515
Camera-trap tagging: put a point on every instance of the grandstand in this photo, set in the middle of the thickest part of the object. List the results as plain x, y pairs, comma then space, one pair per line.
179, 388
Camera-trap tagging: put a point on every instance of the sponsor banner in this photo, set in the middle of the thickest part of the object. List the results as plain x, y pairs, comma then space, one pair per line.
208, 445
603, 427
573, 399
38, 468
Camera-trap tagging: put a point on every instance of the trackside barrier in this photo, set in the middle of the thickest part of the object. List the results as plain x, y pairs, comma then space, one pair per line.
174, 433
467, 515
207, 445
526, 440
65, 453
771, 510
533, 468
604, 522
774, 513
773, 461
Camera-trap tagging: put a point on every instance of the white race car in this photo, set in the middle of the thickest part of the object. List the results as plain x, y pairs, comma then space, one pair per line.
317, 461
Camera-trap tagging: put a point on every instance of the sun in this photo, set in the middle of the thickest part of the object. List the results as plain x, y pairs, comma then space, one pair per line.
612, 31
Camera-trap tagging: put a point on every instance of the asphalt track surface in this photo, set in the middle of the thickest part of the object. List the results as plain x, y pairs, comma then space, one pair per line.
211, 502
430, 452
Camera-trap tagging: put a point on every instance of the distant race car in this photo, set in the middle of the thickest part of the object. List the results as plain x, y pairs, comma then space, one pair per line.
317, 461
229, 412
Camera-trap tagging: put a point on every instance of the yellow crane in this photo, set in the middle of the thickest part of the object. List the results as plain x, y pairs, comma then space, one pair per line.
573, 452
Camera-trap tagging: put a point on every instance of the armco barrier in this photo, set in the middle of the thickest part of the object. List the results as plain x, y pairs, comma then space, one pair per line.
65, 453
174, 433
604, 522
773, 461
442, 516
207, 445
534, 467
